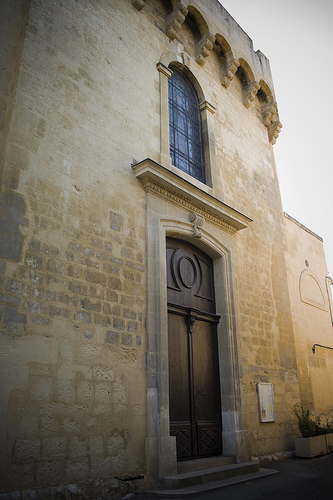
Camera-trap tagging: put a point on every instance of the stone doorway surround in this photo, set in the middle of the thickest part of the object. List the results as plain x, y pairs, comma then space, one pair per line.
181, 207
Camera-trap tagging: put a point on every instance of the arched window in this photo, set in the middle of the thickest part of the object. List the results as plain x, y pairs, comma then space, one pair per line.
186, 144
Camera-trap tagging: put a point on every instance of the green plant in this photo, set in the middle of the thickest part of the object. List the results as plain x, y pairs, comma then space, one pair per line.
326, 428
309, 427
306, 424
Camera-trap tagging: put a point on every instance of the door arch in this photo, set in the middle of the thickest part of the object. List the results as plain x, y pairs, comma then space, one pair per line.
194, 382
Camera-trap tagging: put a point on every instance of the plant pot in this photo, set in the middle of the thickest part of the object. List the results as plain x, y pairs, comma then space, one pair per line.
310, 447
329, 442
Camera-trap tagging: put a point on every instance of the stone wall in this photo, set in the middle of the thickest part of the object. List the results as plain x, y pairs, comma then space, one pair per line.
72, 257
311, 302
81, 329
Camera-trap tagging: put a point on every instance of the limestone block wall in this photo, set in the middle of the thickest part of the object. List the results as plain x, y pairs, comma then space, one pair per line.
243, 175
267, 351
83, 104
72, 253
311, 302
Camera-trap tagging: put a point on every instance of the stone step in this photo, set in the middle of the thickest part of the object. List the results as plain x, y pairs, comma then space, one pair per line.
193, 478
199, 489
204, 463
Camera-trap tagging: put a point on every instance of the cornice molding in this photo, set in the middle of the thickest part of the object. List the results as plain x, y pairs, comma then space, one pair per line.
168, 185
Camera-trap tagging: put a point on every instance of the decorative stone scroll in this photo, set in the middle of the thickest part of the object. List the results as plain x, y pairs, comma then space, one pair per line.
175, 21
198, 221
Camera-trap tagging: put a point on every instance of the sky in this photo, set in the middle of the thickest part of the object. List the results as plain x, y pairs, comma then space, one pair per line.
297, 38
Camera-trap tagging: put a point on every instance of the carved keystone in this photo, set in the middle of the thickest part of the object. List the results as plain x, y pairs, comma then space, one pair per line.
175, 21
198, 221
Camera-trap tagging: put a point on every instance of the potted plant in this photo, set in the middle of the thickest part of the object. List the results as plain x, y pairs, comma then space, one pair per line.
328, 431
317, 439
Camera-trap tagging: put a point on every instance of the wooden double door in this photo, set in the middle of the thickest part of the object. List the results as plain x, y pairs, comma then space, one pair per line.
195, 401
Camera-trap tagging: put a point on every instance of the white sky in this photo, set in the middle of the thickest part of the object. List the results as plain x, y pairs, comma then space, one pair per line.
297, 38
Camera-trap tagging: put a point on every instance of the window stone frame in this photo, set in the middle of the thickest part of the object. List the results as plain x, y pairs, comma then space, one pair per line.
207, 111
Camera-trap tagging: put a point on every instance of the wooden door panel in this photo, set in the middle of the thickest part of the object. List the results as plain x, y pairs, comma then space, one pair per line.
189, 276
205, 371
209, 438
195, 402
179, 382
183, 434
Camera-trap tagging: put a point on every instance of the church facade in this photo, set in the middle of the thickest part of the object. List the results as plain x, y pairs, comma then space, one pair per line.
156, 304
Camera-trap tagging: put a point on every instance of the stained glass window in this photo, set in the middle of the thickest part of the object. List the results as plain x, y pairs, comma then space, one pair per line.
186, 146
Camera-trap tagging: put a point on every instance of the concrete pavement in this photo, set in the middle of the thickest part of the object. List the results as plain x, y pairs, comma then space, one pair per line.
297, 479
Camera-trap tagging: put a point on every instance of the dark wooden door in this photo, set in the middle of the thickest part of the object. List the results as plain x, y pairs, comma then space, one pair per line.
195, 404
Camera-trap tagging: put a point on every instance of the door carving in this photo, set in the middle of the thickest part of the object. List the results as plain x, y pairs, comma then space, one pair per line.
194, 400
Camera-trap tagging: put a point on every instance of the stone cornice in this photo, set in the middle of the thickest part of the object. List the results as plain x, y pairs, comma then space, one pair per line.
165, 183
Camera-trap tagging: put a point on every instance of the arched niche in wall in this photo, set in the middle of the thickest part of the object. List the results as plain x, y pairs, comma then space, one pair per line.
205, 42
228, 62
311, 291
188, 25
249, 85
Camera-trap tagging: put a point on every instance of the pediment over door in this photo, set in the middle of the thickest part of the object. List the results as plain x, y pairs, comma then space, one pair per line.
167, 184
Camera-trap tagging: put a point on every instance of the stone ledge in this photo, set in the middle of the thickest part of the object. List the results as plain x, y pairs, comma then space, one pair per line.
168, 184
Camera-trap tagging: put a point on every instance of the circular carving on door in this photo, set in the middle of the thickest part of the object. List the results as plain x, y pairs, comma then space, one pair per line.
187, 271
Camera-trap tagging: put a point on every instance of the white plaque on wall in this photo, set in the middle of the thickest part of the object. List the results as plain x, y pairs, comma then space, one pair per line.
266, 402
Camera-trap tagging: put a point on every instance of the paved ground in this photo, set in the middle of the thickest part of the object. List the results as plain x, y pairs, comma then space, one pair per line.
298, 479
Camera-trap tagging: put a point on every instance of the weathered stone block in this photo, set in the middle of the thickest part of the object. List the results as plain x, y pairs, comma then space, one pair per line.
53, 447
42, 389
77, 447
119, 324
50, 472
112, 337
90, 306
95, 277
8, 299
65, 390
132, 326
103, 373
76, 471
85, 390
82, 316
126, 339
2, 266
100, 466
116, 221
33, 260
55, 266
26, 449
51, 250
103, 393
96, 445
